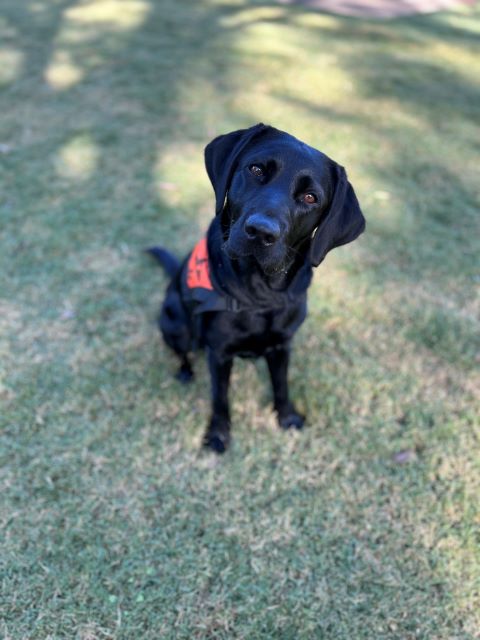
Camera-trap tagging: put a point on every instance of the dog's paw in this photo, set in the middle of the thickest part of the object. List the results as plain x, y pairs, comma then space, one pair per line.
291, 420
217, 441
184, 375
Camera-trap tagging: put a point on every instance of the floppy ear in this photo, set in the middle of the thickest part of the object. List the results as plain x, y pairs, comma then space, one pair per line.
221, 156
343, 221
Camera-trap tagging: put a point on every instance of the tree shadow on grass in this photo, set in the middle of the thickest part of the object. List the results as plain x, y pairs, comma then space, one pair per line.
436, 92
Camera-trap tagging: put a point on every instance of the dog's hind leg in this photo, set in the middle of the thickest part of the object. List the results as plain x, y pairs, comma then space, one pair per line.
185, 371
176, 330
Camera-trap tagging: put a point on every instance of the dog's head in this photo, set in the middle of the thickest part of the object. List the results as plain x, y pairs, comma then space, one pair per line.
279, 197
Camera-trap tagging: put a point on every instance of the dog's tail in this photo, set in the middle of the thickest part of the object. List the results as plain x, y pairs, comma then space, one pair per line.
168, 261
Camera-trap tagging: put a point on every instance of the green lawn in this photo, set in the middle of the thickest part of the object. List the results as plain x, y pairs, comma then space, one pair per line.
113, 523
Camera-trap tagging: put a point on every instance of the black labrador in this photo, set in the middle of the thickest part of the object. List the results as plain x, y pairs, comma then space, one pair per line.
281, 206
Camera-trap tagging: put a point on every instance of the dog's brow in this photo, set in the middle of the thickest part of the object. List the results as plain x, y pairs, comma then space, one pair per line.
258, 158
306, 181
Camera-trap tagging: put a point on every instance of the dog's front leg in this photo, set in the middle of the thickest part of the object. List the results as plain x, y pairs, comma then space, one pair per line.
288, 416
217, 436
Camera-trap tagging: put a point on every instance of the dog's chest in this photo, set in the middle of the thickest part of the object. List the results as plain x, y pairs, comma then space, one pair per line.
252, 334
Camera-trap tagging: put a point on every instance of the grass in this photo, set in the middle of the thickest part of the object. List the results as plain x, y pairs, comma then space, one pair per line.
113, 523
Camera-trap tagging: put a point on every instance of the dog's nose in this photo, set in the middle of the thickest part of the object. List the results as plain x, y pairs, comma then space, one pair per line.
265, 230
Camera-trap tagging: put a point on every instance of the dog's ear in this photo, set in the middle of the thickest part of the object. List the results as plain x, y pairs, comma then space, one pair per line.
221, 156
343, 220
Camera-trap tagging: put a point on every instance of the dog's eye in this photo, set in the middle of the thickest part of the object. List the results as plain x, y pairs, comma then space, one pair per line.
309, 198
256, 170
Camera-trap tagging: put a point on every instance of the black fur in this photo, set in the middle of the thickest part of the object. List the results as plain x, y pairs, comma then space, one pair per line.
266, 237
168, 261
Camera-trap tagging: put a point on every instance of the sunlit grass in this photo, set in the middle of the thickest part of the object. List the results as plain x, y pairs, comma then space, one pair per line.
78, 158
114, 525
10, 64
117, 14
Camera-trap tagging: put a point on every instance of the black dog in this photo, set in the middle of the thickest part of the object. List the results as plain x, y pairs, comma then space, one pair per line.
280, 207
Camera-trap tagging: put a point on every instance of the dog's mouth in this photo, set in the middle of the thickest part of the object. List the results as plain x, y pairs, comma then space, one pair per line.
267, 260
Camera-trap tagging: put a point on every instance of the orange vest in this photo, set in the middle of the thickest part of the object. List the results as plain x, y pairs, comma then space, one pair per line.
198, 269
